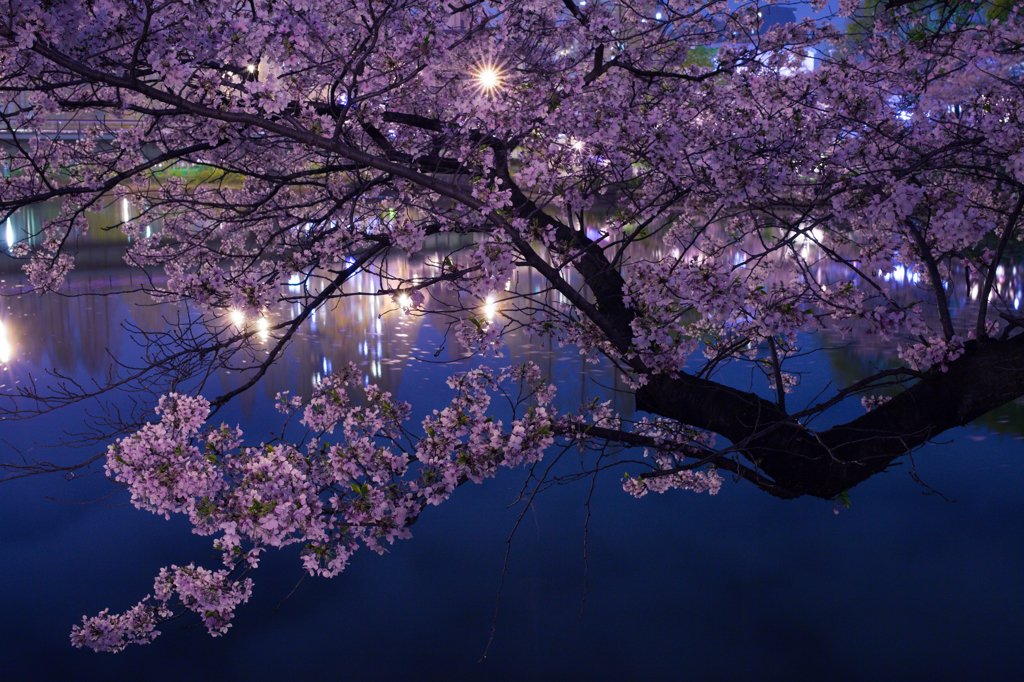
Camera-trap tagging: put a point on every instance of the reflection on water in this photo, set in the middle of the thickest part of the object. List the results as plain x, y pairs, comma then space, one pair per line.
392, 344
381, 334
6, 348
100, 245
81, 335
906, 286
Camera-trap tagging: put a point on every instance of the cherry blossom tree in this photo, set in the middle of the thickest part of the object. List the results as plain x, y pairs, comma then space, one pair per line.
751, 206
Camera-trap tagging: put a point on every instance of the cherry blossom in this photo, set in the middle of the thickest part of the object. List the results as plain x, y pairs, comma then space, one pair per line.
689, 203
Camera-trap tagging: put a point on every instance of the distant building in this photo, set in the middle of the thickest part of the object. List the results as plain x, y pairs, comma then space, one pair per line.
773, 15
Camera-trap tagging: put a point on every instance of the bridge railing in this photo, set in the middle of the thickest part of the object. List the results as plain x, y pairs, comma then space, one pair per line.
69, 128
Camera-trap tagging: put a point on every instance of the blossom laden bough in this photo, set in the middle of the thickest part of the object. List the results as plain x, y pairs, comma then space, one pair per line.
331, 497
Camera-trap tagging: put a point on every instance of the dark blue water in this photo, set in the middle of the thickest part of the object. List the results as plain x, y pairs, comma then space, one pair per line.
903, 585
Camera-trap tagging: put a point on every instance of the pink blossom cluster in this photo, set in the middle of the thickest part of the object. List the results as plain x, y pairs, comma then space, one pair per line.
113, 632
47, 272
214, 596
675, 442
330, 400
789, 381
331, 497
286, 404
888, 321
935, 351
870, 402
991, 329
481, 337
704, 301
165, 472
488, 267
698, 481
463, 442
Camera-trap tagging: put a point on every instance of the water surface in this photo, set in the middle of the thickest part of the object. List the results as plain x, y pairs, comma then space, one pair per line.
902, 585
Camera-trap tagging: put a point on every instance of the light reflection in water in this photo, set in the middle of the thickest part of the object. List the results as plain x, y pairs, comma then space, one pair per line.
490, 307
238, 319
6, 347
386, 344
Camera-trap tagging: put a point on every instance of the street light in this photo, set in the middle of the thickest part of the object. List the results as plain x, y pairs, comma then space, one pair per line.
488, 78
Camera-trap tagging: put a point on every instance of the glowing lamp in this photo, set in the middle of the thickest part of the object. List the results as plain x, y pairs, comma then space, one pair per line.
488, 78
